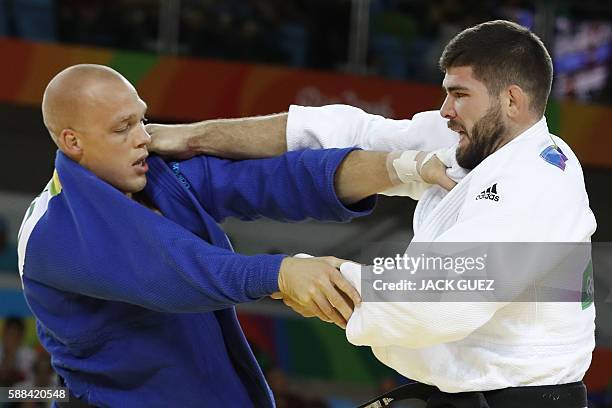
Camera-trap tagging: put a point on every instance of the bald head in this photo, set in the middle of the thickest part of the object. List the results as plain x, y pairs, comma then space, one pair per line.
76, 90
96, 118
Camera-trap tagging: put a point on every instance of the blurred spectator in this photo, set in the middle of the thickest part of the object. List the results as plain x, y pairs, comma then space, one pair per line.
245, 30
392, 35
604, 96
583, 53
29, 19
329, 25
4, 19
42, 375
284, 397
15, 357
35, 19
292, 36
405, 37
123, 24
8, 251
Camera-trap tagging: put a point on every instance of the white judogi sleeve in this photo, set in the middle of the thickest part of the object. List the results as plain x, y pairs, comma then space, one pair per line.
337, 126
334, 126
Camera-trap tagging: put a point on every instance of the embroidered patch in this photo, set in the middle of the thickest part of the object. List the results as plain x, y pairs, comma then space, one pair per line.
177, 172
55, 186
554, 156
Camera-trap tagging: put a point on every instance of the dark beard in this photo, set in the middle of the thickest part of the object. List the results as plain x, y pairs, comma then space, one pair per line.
484, 139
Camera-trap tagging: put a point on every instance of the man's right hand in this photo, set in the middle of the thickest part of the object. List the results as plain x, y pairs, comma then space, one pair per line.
242, 138
315, 287
173, 141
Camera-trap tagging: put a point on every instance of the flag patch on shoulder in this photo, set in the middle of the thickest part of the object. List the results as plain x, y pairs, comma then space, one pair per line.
554, 156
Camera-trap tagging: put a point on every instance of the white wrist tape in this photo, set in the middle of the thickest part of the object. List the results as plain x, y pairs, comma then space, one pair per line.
303, 255
402, 167
427, 157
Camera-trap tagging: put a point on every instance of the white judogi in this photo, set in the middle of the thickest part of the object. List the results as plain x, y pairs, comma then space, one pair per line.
474, 346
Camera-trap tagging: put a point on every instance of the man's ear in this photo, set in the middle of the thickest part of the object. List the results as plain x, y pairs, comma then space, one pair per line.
515, 101
69, 142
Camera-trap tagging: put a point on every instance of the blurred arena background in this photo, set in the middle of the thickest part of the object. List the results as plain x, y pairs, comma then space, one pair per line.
193, 60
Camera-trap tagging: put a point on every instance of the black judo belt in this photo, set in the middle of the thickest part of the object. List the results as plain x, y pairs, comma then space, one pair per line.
572, 395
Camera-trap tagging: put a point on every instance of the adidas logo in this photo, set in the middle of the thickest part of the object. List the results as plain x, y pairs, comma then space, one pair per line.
380, 403
489, 194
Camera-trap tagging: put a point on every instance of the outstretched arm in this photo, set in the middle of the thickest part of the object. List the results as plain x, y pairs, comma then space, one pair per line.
243, 138
364, 173
291, 187
317, 184
331, 126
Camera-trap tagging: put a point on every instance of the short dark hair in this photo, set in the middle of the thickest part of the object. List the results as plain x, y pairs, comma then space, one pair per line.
14, 321
503, 53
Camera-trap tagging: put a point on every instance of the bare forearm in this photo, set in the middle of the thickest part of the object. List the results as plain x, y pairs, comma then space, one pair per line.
244, 138
360, 175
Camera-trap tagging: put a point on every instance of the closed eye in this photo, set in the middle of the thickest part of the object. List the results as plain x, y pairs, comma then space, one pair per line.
129, 124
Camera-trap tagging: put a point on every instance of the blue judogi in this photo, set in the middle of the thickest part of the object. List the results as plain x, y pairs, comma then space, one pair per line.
136, 309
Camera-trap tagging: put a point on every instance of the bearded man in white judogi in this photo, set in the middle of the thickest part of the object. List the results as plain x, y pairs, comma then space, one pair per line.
523, 185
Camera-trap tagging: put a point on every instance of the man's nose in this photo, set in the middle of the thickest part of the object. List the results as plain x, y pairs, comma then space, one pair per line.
143, 137
448, 111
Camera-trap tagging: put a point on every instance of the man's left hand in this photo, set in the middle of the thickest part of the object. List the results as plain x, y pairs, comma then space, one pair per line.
433, 171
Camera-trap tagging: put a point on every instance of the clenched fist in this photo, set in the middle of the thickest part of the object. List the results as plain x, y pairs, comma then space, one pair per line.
175, 141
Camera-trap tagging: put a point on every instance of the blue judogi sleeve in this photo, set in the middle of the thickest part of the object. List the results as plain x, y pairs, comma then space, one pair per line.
85, 237
140, 258
291, 187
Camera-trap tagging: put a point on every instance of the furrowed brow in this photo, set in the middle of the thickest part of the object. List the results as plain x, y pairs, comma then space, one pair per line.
456, 88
